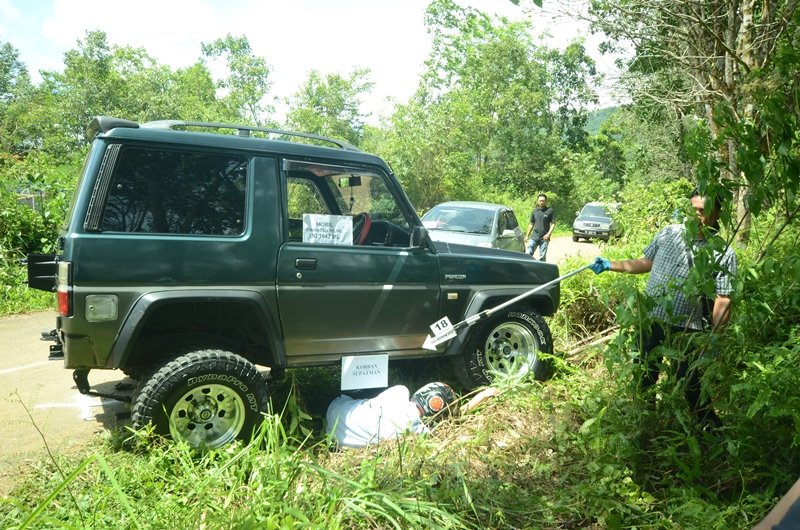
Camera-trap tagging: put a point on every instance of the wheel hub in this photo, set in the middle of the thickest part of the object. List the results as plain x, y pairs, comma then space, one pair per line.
508, 342
202, 411
210, 416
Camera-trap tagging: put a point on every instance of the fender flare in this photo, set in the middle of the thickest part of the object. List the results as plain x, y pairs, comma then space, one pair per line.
146, 305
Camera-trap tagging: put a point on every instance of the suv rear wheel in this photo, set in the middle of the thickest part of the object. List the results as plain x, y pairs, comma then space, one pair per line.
207, 398
511, 337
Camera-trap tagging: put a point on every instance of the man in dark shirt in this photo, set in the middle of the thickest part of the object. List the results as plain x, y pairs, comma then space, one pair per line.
543, 221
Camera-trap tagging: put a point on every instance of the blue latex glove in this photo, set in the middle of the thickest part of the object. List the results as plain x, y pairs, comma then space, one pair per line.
600, 265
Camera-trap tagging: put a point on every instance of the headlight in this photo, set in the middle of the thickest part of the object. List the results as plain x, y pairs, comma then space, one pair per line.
484, 244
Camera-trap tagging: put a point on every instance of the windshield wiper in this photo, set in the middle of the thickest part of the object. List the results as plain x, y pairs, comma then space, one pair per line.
460, 230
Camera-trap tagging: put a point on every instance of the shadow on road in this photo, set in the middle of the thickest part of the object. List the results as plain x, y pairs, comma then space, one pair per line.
107, 411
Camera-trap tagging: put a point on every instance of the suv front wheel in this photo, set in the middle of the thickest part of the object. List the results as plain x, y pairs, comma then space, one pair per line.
511, 340
207, 398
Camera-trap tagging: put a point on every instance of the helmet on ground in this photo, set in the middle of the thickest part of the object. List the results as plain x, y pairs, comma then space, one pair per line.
434, 399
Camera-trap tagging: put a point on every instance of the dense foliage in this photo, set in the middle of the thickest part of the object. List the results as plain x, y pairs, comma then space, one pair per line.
500, 118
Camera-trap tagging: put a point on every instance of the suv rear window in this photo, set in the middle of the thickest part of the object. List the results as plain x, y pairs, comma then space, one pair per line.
175, 192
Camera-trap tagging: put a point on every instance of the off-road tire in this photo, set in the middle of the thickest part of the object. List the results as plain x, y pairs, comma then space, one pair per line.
515, 332
137, 373
207, 398
575, 239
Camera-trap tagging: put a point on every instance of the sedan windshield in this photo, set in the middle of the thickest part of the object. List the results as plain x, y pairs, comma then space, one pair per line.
595, 210
469, 220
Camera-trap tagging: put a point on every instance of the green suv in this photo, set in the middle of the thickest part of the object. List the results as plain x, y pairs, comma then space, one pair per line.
194, 253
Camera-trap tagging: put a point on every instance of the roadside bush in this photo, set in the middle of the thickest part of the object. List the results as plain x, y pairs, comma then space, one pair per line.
30, 227
22, 230
646, 209
563, 454
590, 303
15, 295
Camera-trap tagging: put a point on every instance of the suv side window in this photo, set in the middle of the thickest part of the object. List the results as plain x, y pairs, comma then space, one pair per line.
318, 190
175, 192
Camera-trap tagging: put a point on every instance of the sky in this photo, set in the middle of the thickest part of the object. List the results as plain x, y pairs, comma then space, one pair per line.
293, 36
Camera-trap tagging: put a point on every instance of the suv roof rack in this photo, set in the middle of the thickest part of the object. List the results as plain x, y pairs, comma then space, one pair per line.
106, 123
245, 130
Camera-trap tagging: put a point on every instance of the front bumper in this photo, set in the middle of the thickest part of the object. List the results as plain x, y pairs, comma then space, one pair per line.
598, 233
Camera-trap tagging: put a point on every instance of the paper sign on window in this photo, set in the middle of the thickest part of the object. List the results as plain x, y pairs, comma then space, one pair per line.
327, 229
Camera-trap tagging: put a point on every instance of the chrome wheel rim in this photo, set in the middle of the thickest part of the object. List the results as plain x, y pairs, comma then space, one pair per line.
511, 345
207, 416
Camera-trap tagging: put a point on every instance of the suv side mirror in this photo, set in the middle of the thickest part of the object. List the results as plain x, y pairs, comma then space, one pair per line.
419, 237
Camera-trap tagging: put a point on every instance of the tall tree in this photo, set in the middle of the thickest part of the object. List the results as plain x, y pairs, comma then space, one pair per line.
331, 105
13, 73
247, 82
102, 79
698, 56
493, 110
14, 84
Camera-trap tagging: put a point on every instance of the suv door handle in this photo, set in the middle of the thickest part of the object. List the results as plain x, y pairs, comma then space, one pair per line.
306, 264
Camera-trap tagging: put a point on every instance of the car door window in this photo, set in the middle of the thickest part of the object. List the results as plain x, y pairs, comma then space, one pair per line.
328, 204
502, 223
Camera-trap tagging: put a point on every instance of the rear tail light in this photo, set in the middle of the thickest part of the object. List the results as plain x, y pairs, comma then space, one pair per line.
64, 288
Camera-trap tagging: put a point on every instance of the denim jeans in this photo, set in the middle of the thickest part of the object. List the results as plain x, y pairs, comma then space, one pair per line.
542, 244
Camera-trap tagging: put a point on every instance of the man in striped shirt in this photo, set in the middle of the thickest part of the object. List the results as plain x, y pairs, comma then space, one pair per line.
669, 258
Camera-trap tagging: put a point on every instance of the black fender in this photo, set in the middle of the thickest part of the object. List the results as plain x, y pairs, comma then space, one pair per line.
543, 302
145, 306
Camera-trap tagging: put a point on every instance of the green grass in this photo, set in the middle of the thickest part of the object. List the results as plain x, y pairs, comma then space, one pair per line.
582, 450
562, 454
15, 295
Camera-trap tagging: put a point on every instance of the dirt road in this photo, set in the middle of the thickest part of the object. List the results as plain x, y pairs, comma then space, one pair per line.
41, 408
563, 246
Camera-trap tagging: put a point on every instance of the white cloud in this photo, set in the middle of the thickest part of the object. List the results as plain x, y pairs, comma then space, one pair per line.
170, 30
389, 38
8, 13
294, 37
